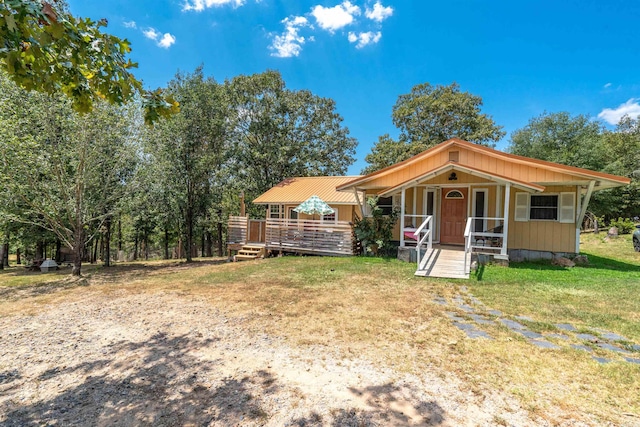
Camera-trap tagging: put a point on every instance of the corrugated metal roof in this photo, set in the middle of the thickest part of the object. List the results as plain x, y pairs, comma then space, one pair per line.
297, 190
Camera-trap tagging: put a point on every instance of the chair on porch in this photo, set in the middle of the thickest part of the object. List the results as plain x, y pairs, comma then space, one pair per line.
490, 241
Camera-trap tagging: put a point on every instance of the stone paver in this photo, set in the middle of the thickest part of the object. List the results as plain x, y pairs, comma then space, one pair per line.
464, 326
495, 312
559, 336
466, 308
610, 347
632, 360
440, 300
612, 337
480, 319
525, 318
635, 347
582, 347
587, 337
600, 359
544, 344
566, 327
477, 333
454, 316
513, 325
531, 334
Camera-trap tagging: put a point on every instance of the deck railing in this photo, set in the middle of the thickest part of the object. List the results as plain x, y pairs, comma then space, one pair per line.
424, 234
237, 230
477, 238
309, 236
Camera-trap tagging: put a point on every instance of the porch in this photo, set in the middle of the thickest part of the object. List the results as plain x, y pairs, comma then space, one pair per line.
454, 261
298, 236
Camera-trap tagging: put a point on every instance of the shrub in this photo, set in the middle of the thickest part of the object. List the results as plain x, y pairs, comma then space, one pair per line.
375, 232
624, 225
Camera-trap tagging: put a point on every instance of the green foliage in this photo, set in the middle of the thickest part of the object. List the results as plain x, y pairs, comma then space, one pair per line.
581, 142
561, 138
375, 232
624, 225
429, 115
279, 133
48, 50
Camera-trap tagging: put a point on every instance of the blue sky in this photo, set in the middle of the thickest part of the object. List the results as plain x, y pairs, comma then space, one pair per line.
522, 58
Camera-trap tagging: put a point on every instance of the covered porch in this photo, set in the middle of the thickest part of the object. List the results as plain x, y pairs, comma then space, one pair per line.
464, 211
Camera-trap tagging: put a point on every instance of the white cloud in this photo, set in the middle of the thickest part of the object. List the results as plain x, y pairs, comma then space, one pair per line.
151, 33
200, 5
607, 86
613, 115
290, 42
166, 41
130, 24
364, 39
334, 18
379, 12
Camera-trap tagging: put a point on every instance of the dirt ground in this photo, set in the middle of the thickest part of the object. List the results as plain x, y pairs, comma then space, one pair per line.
167, 359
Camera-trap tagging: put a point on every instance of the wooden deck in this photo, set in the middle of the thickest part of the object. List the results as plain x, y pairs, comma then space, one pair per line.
294, 236
445, 261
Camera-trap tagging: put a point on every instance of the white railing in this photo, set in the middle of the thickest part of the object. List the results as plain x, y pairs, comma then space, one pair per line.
411, 221
488, 241
425, 228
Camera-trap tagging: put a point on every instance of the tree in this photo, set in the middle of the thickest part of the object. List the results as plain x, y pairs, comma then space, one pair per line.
561, 138
59, 171
45, 48
280, 133
191, 146
429, 115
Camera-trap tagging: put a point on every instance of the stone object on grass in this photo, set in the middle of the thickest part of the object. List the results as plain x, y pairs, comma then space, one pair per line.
613, 232
581, 260
563, 262
566, 327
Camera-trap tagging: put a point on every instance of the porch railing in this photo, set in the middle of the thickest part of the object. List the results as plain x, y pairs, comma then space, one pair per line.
308, 236
481, 239
423, 234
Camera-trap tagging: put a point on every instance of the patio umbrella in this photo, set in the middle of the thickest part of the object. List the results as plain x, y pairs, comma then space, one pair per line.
314, 205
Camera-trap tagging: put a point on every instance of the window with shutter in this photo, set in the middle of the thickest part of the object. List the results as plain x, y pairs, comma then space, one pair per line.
567, 207
522, 207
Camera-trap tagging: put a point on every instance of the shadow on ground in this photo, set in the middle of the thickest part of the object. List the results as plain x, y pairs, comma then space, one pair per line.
162, 382
92, 274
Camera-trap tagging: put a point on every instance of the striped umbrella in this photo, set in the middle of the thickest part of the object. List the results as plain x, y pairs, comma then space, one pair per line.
314, 205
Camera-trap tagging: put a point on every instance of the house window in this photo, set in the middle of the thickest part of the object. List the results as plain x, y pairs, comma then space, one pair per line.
386, 205
329, 217
293, 214
276, 211
544, 207
454, 194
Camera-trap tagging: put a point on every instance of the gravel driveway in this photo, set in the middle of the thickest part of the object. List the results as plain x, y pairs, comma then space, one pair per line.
166, 359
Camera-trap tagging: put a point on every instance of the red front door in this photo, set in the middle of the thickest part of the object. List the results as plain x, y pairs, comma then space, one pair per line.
454, 215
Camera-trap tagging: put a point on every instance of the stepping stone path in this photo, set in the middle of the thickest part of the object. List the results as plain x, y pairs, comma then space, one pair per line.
566, 327
534, 338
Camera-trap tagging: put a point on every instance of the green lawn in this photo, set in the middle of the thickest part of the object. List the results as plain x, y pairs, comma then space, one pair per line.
605, 294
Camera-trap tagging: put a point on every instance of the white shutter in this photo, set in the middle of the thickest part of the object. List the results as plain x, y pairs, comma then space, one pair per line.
567, 208
522, 207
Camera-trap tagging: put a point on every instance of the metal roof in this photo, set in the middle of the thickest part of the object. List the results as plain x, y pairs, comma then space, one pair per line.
297, 190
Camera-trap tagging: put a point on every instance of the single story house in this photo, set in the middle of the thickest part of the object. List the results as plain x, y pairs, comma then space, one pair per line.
485, 199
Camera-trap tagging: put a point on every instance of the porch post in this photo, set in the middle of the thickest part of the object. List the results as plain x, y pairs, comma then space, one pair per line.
505, 226
402, 200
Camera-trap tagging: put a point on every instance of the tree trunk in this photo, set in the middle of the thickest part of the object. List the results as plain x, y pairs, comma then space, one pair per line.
39, 250
94, 255
135, 248
209, 248
107, 243
189, 236
1, 257
58, 251
219, 239
78, 246
18, 259
202, 243
166, 242
44, 250
119, 234
146, 246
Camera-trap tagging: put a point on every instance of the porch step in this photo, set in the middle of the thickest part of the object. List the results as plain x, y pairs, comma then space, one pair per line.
443, 263
249, 252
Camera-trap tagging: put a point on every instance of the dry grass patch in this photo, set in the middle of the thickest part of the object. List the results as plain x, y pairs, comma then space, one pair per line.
377, 309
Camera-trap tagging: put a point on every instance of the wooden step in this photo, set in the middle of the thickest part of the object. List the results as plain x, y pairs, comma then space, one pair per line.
245, 257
